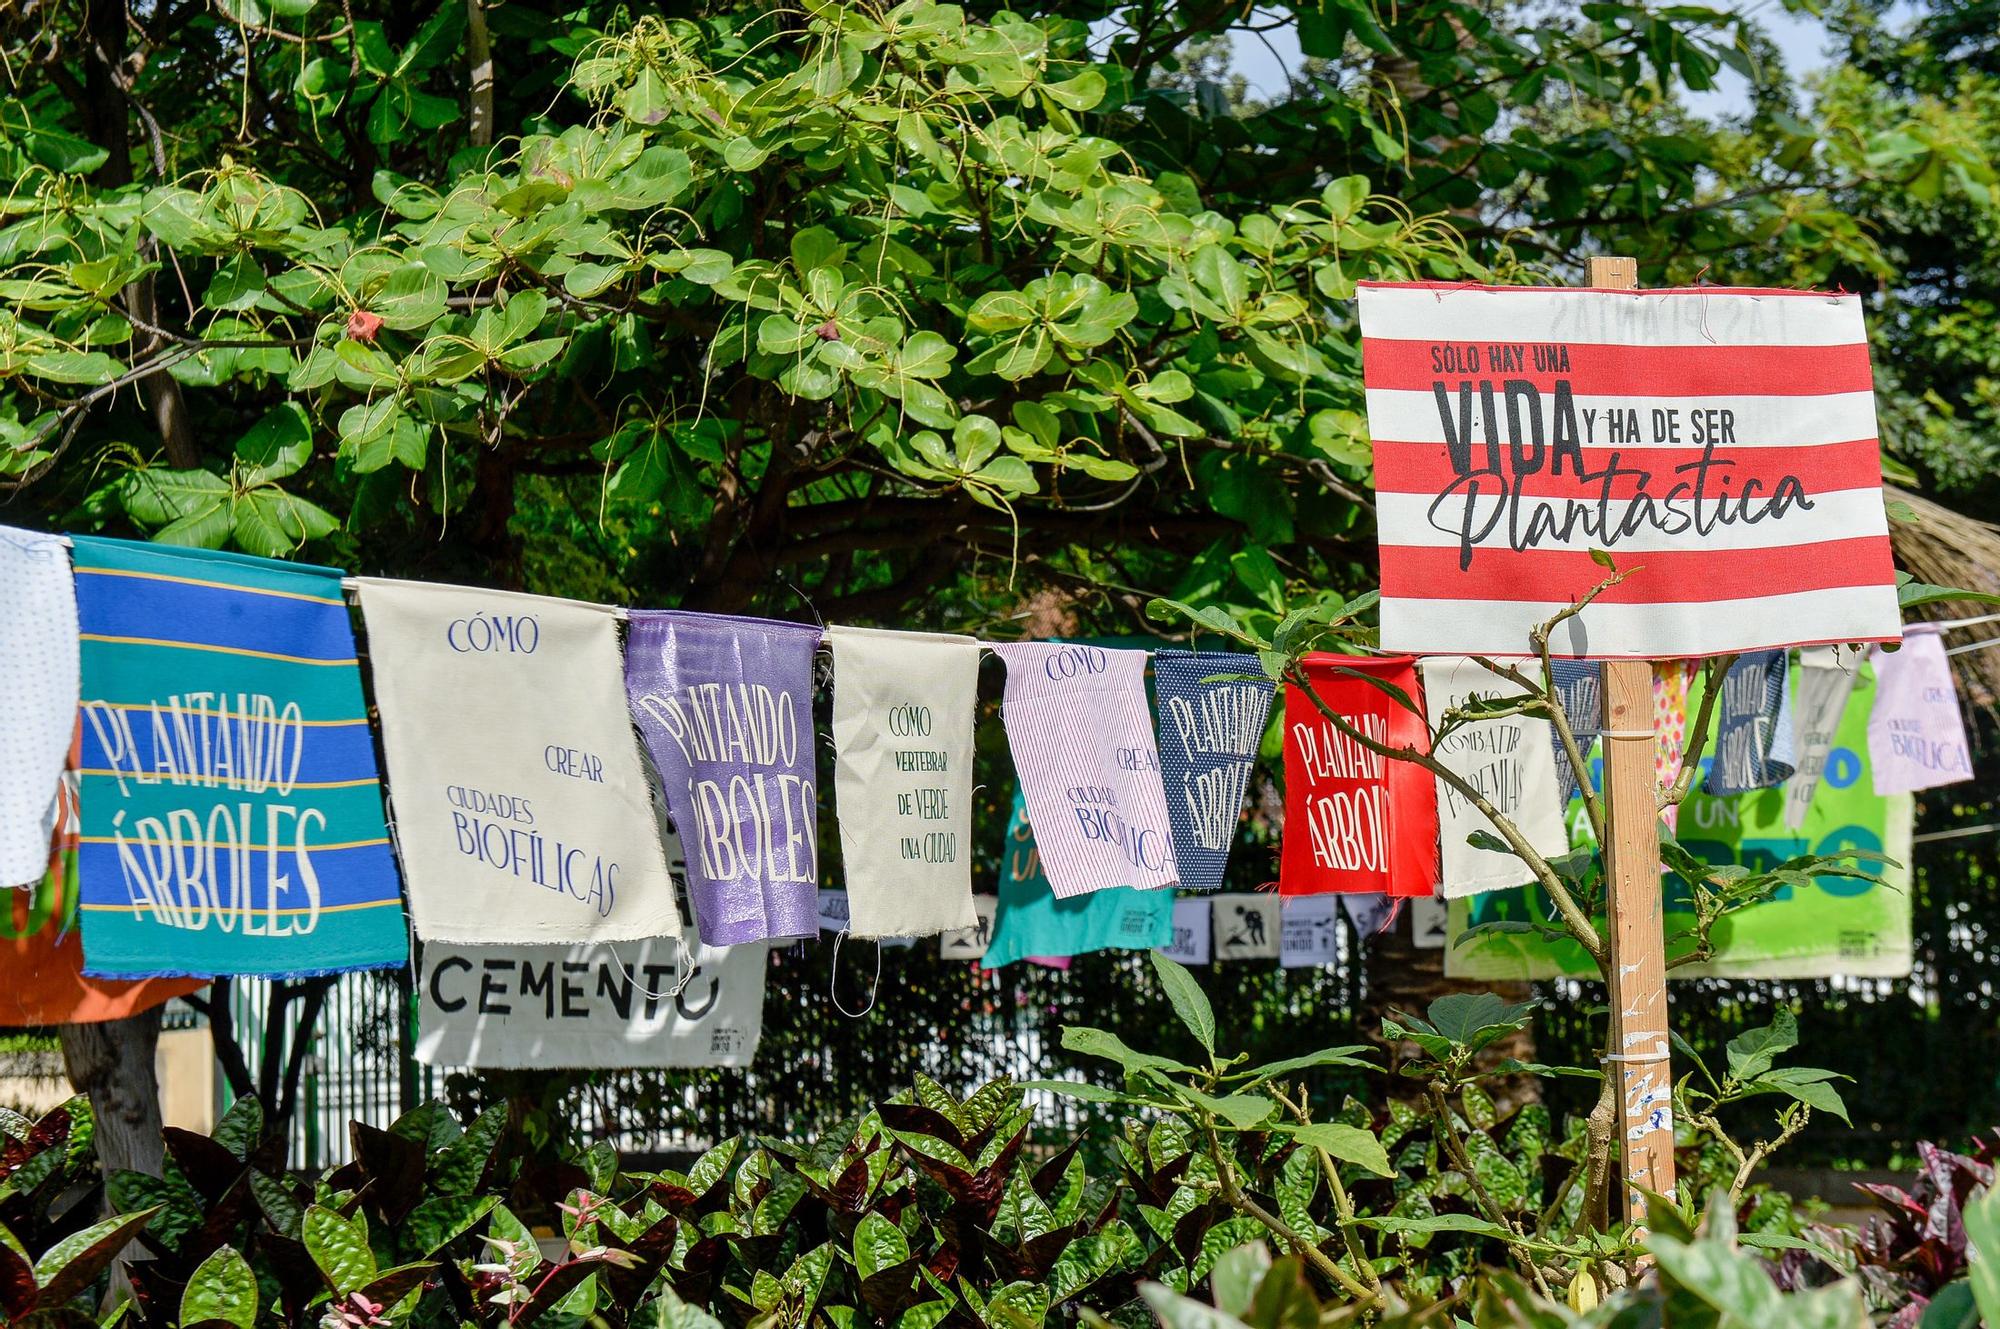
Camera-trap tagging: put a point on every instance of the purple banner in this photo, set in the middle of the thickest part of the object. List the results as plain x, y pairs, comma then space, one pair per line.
725, 705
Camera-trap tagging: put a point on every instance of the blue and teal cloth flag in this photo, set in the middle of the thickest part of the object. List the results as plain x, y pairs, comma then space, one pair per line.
1031, 922
231, 805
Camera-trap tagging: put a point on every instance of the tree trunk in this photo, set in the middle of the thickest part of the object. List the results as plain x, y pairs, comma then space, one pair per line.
113, 1062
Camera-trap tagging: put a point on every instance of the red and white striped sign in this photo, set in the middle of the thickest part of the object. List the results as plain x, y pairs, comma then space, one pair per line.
1721, 442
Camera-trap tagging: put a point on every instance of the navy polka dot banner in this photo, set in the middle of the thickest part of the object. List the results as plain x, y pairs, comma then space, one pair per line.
1212, 709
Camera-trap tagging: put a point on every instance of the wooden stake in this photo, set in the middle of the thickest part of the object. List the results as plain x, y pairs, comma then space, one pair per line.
1641, 1070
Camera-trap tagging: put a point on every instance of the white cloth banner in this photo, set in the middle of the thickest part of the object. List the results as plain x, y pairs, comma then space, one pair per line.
970, 943
836, 916
1246, 926
521, 807
40, 678
1510, 760
1826, 677
903, 709
1309, 931
1193, 932
601, 1005
1430, 923
1369, 913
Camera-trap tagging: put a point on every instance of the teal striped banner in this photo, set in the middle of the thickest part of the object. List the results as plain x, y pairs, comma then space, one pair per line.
231, 803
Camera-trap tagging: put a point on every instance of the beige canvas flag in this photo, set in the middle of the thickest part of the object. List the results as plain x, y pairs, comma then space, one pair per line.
903, 707
521, 807
1510, 760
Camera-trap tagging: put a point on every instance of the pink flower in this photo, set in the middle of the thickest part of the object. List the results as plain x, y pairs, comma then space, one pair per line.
362, 325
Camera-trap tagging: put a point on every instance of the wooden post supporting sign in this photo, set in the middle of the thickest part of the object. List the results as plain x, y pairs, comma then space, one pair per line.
1639, 1067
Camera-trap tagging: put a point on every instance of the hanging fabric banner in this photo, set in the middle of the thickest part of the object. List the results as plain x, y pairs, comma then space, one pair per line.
39, 675
1356, 820
1826, 677
596, 1006
1670, 721
1033, 922
1828, 926
1509, 759
970, 943
1753, 726
1213, 706
232, 811
522, 810
1428, 923
1720, 445
1082, 738
836, 916
41, 951
725, 704
1579, 685
1309, 931
1916, 735
1246, 926
903, 710
1193, 932
1369, 914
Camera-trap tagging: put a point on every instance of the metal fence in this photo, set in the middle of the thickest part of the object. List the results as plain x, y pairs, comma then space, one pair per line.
1924, 1053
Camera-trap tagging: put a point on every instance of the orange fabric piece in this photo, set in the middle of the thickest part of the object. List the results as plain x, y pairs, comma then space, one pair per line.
41, 951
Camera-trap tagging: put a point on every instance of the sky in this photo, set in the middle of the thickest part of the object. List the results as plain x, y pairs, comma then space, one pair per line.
1799, 36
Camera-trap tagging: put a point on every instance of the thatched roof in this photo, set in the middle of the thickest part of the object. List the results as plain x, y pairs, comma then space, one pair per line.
1950, 549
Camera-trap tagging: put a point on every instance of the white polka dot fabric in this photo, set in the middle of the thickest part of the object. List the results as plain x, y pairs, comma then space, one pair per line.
40, 681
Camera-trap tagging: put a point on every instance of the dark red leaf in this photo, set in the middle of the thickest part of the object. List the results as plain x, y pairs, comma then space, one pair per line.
916, 1119
84, 1267
395, 1168
17, 1283
208, 1167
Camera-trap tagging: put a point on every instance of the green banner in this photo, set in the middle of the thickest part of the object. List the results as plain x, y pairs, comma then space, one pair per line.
1836, 926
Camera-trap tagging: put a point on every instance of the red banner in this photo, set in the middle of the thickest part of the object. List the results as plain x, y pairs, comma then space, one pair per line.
1354, 819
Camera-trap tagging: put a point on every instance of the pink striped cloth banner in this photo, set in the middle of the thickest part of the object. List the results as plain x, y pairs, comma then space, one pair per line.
1082, 737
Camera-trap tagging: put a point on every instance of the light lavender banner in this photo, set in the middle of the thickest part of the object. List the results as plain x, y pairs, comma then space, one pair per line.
1082, 738
725, 705
1916, 736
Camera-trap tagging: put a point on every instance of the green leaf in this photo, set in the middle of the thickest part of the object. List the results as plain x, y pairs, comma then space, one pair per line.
435, 1222
815, 247
1189, 1001
273, 448
1244, 1111
1233, 1279
73, 1264
273, 524
1349, 1144
1982, 1237
91, 367
1081, 1090
1752, 1052
1476, 1019
1179, 1312
236, 285
1355, 1055
878, 1244
1911, 593
1805, 1084
1429, 1225
339, 1246
1101, 1043
221, 1289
